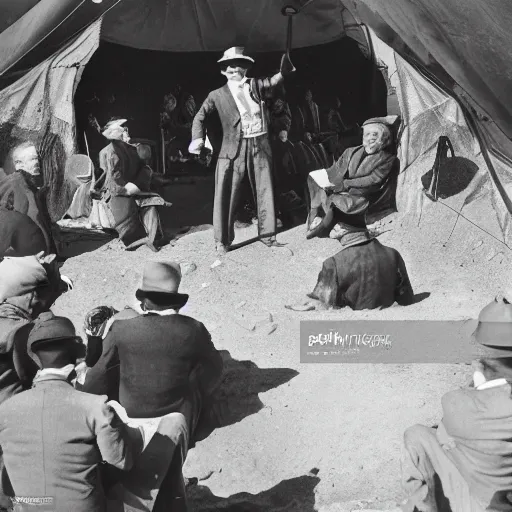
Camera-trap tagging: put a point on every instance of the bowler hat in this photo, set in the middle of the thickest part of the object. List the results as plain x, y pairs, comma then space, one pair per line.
53, 341
162, 279
235, 53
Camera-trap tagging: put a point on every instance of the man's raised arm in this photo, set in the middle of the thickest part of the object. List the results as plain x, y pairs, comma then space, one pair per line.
287, 68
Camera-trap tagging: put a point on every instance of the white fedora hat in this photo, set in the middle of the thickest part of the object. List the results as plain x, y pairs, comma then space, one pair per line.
235, 53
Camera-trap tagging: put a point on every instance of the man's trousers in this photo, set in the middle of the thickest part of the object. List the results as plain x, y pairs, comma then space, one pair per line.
254, 160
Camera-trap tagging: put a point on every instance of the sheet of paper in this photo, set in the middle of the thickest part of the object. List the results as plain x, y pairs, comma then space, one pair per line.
321, 178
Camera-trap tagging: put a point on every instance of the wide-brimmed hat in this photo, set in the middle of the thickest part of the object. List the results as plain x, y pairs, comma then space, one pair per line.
53, 341
162, 279
235, 53
494, 329
112, 125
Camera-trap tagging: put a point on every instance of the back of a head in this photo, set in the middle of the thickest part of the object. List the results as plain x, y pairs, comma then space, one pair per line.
497, 368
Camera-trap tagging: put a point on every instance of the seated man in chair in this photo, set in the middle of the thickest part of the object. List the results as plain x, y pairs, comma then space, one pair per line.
126, 190
350, 185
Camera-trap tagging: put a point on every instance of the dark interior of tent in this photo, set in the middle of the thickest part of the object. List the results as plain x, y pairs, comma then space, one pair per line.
125, 82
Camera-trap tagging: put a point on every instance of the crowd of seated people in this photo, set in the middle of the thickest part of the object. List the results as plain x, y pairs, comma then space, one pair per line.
122, 412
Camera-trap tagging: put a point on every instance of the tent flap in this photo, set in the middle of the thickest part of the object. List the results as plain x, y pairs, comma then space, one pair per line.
39, 107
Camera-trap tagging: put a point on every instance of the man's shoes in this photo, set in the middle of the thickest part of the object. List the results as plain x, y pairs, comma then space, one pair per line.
271, 242
138, 243
316, 228
221, 248
152, 246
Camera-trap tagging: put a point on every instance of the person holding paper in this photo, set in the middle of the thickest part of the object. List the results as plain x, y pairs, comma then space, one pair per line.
350, 184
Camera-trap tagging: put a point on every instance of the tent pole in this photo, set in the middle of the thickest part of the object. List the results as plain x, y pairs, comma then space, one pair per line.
163, 150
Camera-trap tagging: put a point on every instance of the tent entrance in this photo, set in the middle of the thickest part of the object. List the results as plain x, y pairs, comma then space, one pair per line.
129, 83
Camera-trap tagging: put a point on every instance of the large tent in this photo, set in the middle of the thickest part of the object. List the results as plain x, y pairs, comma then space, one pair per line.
448, 62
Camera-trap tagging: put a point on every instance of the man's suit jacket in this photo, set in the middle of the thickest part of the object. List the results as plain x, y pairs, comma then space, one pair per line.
221, 100
147, 361
54, 438
17, 194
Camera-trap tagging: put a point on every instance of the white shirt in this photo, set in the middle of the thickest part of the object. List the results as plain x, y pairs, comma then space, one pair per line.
480, 383
253, 122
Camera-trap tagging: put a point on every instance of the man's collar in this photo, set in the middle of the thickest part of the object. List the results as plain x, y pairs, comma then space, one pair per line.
63, 373
492, 384
234, 84
165, 312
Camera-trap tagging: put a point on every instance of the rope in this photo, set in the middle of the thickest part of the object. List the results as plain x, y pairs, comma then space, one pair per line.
459, 214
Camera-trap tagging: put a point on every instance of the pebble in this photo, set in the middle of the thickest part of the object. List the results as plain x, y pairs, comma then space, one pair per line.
188, 268
491, 255
216, 263
205, 285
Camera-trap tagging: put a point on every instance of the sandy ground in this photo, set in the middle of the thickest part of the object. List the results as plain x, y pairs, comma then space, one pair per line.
304, 437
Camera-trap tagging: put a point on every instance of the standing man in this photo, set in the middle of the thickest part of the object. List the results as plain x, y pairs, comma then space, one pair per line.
21, 192
245, 146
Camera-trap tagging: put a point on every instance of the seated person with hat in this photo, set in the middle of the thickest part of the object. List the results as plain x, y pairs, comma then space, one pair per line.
160, 362
354, 179
364, 274
467, 460
126, 191
60, 455
28, 286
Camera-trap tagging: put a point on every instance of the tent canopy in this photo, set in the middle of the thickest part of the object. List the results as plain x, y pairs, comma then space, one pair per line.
463, 43
459, 45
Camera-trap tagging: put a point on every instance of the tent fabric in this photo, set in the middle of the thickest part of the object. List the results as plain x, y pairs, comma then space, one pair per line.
428, 112
43, 26
214, 25
39, 107
468, 39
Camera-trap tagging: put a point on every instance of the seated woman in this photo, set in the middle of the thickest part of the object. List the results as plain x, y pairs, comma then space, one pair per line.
350, 184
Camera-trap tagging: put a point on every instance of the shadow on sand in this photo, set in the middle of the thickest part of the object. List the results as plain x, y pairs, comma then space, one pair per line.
238, 394
455, 175
294, 495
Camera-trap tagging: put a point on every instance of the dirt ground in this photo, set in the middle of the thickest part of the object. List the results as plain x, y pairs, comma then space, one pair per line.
304, 437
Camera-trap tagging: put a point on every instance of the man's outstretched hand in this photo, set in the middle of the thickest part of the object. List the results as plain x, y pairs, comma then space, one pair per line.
287, 66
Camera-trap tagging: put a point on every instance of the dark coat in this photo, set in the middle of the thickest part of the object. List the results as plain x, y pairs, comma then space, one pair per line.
59, 455
18, 194
20, 234
147, 360
17, 369
360, 174
365, 276
221, 100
